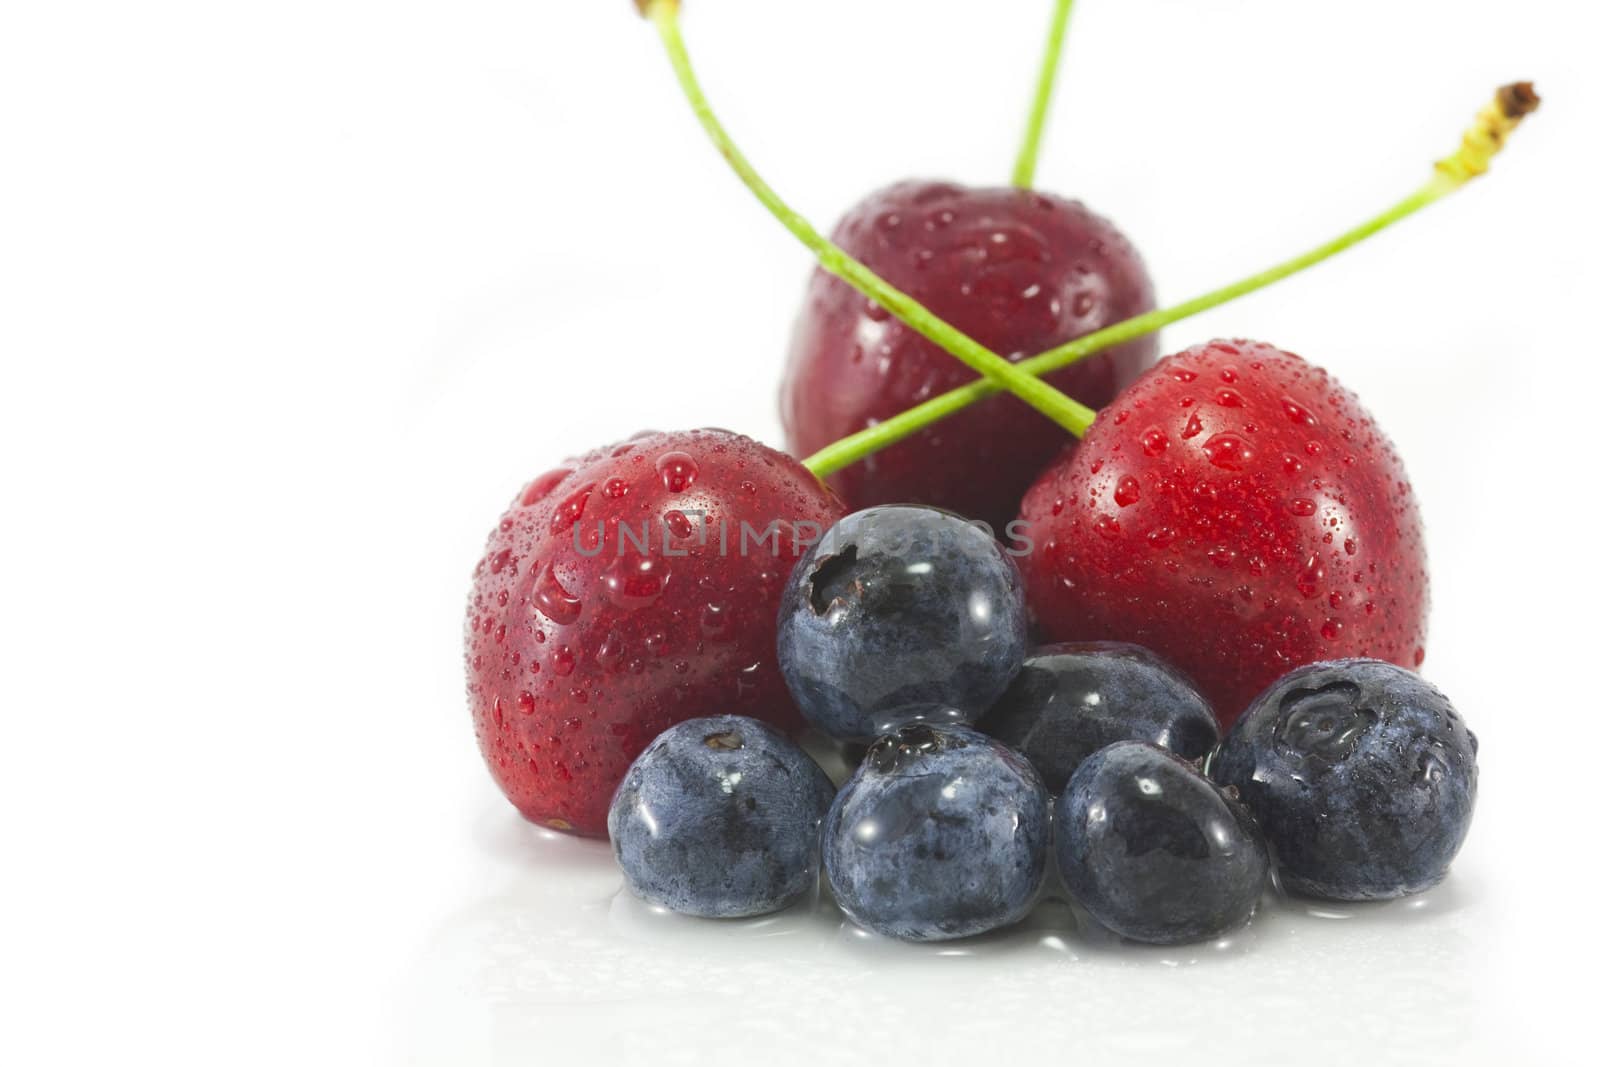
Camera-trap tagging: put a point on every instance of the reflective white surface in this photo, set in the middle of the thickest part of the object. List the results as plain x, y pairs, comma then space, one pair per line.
555, 957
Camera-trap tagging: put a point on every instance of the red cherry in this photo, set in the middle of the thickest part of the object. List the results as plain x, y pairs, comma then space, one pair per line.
624, 592
1018, 271
1237, 511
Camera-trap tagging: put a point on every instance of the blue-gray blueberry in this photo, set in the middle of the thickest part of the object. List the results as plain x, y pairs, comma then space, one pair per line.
720, 818
1154, 851
900, 614
941, 833
1363, 777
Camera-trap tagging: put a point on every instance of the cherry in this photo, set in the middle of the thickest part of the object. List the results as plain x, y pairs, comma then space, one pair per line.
1239, 513
1016, 270
626, 591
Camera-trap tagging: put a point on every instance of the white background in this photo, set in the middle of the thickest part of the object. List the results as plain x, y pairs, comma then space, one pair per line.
293, 296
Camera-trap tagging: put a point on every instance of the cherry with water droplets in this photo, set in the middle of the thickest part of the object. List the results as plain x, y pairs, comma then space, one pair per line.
1020, 272
1273, 526
610, 606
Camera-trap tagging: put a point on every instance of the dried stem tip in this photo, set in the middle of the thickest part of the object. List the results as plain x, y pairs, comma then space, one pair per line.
1517, 99
1489, 132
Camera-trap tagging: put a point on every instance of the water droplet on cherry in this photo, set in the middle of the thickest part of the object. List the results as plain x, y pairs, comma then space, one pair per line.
552, 598
634, 581
678, 471
1229, 451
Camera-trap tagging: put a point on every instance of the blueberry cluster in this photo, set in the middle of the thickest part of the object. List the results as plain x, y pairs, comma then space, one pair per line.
906, 626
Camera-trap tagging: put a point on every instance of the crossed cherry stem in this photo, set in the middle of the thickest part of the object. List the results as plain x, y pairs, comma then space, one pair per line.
1482, 141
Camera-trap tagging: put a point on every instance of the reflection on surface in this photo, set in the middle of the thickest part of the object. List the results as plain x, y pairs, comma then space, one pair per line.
556, 957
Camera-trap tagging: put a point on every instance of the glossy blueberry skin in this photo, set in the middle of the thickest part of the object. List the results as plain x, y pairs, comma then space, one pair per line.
1154, 851
1363, 777
720, 818
900, 614
941, 833
1071, 700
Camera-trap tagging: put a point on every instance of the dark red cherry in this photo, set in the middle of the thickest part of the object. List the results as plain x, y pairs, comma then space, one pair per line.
1237, 511
623, 592
1019, 271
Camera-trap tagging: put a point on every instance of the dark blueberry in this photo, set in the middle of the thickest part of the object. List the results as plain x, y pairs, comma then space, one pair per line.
1069, 701
941, 833
900, 614
1154, 851
720, 818
1362, 774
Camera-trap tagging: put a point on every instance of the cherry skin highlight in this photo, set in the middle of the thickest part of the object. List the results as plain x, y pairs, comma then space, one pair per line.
1239, 513
1020, 272
609, 605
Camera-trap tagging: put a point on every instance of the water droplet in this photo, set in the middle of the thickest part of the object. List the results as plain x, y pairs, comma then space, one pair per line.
1162, 536
678, 471
1309, 581
570, 510
498, 561
634, 581
563, 661
1228, 451
1430, 768
525, 702
1229, 398
615, 488
1183, 375
1127, 491
1297, 412
1302, 506
1153, 441
1331, 629
552, 598
609, 654
1083, 304
678, 525
1193, 426
715, 621
1107, 527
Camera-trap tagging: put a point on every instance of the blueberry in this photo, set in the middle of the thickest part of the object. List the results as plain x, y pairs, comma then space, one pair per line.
1362, 774
1153, 850
720, 818
900, 614
1069, 701
941, 833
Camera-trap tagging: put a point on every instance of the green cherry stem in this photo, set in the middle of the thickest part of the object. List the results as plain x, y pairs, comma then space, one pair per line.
1480, 144
1028, 158
1071, 415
